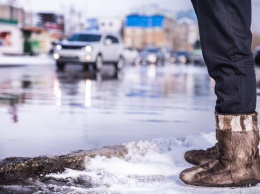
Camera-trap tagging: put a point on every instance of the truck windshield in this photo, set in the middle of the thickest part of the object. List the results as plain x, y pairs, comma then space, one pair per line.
85, 37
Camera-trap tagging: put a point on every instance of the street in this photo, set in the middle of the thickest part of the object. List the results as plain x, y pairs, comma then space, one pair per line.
44, 111
152, 110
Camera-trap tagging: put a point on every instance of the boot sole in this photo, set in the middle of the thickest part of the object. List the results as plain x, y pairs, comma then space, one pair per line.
248, 183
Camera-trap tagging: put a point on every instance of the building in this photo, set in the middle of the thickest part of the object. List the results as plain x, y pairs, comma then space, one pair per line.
51, 22
73, 21
114, 25
15, 13
186, 30
29, 32
12, 20
186, 33
11, 37
148, 30
18, 32
153, 26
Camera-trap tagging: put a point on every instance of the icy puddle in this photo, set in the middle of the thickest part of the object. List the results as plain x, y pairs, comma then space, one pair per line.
149, 167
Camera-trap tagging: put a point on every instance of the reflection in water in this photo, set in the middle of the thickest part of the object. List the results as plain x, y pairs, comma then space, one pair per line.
87, 110
57, 91
13, 113
88, 93
100, 109
12, 100
76, 86
151, 71
170, 83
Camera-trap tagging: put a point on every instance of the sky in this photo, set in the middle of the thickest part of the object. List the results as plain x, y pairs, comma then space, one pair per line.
103, 8
113, 8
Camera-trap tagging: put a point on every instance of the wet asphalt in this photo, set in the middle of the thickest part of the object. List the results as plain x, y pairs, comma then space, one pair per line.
44, 111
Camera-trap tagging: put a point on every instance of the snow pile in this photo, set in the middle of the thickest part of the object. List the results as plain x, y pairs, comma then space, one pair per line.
150, 167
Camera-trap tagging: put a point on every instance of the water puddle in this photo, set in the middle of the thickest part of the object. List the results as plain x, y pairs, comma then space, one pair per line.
156, 109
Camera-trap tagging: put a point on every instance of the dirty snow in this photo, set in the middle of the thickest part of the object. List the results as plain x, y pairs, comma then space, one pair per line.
150, 167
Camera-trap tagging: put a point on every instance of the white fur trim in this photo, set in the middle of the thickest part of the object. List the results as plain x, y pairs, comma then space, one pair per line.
221, 122
235, 123
248, 122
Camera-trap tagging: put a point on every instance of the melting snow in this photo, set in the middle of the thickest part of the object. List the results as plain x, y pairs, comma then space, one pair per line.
150, 167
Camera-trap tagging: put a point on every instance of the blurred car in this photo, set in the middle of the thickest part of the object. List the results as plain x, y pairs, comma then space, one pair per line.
130, 54
197, 57
90, 48
257, 57
183, 57
152, 55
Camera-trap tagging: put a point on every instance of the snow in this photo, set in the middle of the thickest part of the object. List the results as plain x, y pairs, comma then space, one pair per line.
150, 167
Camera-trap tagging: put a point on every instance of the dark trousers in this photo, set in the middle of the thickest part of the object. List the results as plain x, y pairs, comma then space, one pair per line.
226, 39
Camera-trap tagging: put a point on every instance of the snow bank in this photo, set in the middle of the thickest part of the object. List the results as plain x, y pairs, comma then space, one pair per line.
150, 167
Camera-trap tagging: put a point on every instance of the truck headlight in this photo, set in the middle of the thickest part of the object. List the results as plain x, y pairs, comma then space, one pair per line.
88, 48
56, 56
58, 47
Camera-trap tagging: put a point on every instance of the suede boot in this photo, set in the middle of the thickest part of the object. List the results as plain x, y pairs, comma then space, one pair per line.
198, 157
237, 163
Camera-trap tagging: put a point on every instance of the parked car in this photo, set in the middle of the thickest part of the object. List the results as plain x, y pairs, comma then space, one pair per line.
153, 55
183, 57
90, 48
257, 57
130, 54
197, 57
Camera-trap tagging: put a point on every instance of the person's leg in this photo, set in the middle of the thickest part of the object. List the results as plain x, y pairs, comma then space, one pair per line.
194, 3
226, 45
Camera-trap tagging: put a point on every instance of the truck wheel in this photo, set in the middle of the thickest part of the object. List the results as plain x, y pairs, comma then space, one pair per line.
85, 67
120, 63
60, 66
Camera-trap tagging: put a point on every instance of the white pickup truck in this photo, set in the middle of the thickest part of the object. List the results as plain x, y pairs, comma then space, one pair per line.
90, 48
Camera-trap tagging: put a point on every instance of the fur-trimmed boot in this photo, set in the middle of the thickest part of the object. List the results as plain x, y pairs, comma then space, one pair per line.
198, 157
237, 163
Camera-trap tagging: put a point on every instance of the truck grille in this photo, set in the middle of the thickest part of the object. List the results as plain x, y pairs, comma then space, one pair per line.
71, 47
69, 58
